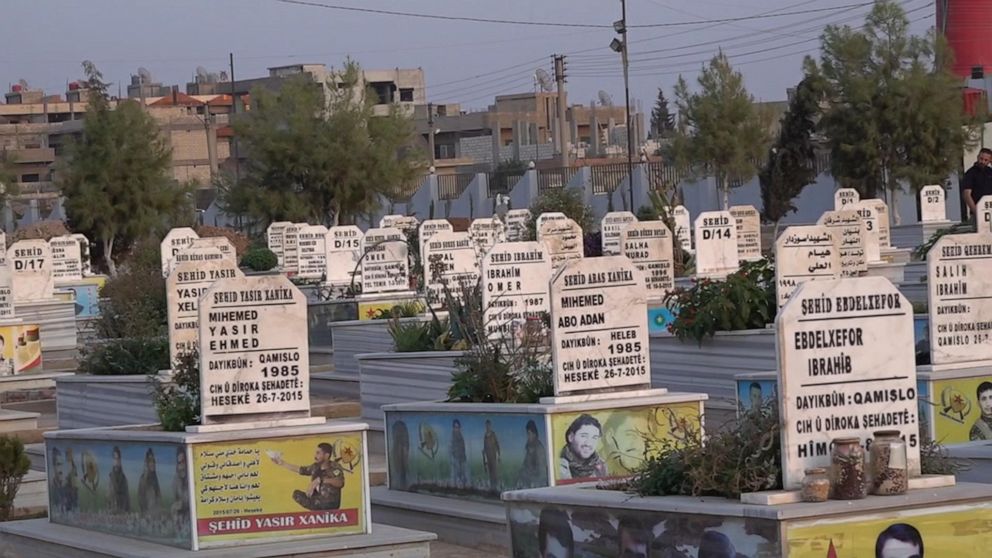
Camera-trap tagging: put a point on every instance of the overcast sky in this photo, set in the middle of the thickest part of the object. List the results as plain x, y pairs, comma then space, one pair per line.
44, 41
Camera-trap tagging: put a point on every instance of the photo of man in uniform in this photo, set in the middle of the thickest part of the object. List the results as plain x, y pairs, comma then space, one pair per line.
627, 435
459, 476
578, 459
754, 396
326, 479
535, 468
899, 540
982, 429
491, 455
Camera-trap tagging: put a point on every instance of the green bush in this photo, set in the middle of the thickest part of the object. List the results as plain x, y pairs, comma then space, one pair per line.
744, 300
14, 464
130, 355
177, 401
743, 457
259, 258
407, 309
562, 200
133, 303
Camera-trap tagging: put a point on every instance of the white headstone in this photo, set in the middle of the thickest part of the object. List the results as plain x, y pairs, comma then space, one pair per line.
375, 236
311, 252
183, 289
405, 223
515, 279
485, 234
610, 227
176, 240
385, 267
449, 261
67, 260
849, 230
6, 292
748, 232
221, 243
545, 218
254, 354
197, 255
274, 239
516, 224
884, 231
847, 369
290, 251
31, 268
563, 240
868, 212
344, 250
984, 217
933, 207
649, 245
804, 254
683, 227
599, 326
959, 281
716, 244
430, 228
844, 197
84, 253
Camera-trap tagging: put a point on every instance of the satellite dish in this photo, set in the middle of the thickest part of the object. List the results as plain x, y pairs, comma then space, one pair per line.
544, 80
146, 76
605, 99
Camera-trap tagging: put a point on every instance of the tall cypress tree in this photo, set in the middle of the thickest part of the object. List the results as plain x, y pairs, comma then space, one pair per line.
662, 119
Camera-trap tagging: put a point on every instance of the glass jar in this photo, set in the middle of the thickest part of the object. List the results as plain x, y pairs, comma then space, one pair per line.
816, 485
848, 466
889, 464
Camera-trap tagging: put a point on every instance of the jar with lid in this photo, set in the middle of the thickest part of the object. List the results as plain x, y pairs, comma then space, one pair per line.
889, 465
848, 466
816, 485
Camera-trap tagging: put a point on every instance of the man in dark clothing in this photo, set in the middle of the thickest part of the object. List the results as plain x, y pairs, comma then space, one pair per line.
978, 181
326, 479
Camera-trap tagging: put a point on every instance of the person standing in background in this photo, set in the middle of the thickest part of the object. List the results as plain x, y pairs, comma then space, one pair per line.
977, 181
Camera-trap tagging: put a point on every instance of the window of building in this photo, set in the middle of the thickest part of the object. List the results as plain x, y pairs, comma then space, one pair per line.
406, 95
384, 91
445, 151
33, 177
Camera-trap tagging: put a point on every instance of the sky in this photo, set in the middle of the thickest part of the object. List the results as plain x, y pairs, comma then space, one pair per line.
44, 41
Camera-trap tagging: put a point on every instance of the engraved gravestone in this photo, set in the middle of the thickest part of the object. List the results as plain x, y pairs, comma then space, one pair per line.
868, 212
847, 369
385, 266
449, 263
516, 224
486, 233
849, 230
31, 270
804, 254
274, 239
290, 253
959, 267
563, 240
344, 249
844, 197
649, 245
933, 207
515, 278
545, 218
748, 232
311, 251
176, 240
610, 228
716, 244
184, 287
683, 227
430, 228
254, 354
599, 330
67, 259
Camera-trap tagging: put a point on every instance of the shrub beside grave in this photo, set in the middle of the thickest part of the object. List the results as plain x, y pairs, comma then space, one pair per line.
14, 464
560, 200
259, 258
117, 357
744, 300
177, 400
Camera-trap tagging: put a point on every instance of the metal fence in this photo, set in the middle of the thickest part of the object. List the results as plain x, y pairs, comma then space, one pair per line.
606, 178
451, 186
501, 182
550, 179
661, 176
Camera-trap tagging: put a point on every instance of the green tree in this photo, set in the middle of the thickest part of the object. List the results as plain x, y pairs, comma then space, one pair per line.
895, 114
560, 200
116, 181
791, 162
662, 119
8, 177
318, 152
720, 130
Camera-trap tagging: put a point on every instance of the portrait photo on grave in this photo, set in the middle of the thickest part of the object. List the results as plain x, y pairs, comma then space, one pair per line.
615, 443
934, 531
550, 531
269, 488
752, 393
963, 409
132, 489
470, 455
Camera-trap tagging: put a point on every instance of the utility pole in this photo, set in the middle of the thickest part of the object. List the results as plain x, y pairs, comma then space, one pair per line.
621, 46
234, 111
430, 130
564, 136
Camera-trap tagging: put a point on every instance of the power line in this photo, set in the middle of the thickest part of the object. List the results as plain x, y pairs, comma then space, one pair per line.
555, 23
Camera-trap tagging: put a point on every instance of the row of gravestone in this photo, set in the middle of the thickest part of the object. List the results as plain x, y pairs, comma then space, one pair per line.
31, 269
